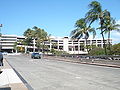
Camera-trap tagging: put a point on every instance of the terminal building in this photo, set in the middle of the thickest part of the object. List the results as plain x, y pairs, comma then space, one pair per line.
67, 44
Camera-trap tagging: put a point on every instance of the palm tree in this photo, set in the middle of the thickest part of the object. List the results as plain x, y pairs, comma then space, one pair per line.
96, 13
108, 26
82, 31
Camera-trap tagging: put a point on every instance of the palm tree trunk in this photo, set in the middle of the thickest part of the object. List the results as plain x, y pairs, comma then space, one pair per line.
86, 45
109, 42
104, 45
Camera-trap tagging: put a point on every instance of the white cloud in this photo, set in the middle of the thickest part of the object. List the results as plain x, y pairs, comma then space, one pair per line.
118, 22
115, 33
115, 37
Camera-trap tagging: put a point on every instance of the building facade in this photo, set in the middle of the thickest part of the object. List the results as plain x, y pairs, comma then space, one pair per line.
58, 43
8, 42
73, 46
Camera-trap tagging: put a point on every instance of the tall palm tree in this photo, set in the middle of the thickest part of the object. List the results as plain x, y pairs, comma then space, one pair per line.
108, 26
82, 31
96, 13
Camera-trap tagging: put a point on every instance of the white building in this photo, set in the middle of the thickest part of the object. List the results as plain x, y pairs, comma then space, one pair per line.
58, 43
8, 42
75, 46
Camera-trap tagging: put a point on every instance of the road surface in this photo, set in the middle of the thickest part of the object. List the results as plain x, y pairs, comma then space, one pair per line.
44, 74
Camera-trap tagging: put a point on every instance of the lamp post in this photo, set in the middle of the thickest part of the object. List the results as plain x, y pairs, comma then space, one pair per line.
0, 37
0, 44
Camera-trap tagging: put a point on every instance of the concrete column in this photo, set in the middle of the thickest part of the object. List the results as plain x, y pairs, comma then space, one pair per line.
65, 44
78, 46
25, 49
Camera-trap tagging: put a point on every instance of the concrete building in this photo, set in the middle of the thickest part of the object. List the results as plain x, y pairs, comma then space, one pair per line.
75, 46
58, 43
8, 42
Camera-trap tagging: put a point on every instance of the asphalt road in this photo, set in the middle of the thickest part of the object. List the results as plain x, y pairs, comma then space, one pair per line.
44, 74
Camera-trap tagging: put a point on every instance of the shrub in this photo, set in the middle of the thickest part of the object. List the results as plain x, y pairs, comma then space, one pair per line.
97, 51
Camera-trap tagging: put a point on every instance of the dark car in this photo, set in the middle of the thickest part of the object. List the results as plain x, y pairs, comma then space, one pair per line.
36, 55
1, 59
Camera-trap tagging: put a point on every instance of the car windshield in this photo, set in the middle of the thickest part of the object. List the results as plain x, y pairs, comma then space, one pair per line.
35, 53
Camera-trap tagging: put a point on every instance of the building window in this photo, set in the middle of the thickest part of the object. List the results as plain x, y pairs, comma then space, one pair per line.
60, 40
82, 42
93, 41
60, 43
81, 47
54, 40
76, 48
55, 46
70, 49
88, 41
61, 47
99, 45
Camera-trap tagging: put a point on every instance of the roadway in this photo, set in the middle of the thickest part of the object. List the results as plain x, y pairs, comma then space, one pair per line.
45, 74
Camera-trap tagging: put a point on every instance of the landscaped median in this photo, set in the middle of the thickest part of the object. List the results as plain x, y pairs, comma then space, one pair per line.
9, 80
107, 63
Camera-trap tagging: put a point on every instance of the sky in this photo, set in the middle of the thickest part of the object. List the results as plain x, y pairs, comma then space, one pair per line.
57, 17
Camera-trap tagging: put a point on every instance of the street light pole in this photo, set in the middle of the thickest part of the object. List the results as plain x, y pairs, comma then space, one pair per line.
0, 37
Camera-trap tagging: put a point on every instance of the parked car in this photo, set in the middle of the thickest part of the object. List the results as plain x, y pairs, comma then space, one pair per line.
36, 56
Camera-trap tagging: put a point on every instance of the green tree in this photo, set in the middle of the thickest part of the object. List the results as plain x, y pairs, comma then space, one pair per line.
108, 26
15, 46
38, 35
29, 36
82, 31
97, 51
96, 13
29, 33
41, 36
116, 49
20, 48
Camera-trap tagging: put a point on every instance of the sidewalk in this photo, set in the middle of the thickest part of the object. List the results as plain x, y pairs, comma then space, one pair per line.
9, 79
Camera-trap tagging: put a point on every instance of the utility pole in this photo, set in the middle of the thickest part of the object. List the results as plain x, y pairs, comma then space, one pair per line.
0, 38
0, 44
